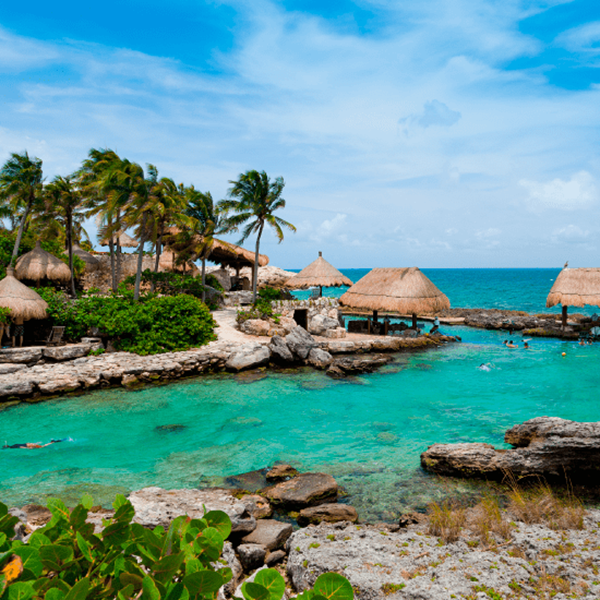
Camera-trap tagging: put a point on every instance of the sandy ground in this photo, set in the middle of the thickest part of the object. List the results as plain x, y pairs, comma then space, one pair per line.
227, 331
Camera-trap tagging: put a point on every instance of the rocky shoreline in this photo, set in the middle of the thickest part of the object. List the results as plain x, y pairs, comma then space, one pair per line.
37, 376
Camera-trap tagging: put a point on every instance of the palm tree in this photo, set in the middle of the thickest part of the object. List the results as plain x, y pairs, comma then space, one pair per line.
255, 198
208, 220
21, 181
64, 201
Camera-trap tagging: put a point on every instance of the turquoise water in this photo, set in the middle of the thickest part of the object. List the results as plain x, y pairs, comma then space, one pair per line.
368, 432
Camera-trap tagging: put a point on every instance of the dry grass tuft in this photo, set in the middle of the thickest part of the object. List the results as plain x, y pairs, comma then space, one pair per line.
541, 505
488, 519
446, 521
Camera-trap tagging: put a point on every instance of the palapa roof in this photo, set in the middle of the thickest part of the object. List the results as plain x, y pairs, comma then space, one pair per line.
125, 241
318, 274
38, 265
404, 291
575, 287
91, 262
22, 301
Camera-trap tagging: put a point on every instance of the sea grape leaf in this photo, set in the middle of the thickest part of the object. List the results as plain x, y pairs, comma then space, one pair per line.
177, 592
192, 565
3, 509
7, 525
38, 539
125, 593
54, 594
219, 521
78, 516
166, 567
272, 581
203, 582
131, 579
116, 533
79, 590
31, 559
20, 590
333, 587
255, 591
54, 556
150, 590
87, 501
84, 547
58, 509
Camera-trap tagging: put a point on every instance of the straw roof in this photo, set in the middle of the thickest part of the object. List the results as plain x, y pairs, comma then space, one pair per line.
38, 265
91, 262
125, 241
575, 287
404, 291
318, 274
22, 301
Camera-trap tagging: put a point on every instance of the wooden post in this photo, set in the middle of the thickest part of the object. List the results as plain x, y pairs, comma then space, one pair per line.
564, 316
375, 315
414, 321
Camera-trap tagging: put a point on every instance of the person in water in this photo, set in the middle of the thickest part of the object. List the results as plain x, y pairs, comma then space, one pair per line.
31, 445
484, 367
511, 345
525, 345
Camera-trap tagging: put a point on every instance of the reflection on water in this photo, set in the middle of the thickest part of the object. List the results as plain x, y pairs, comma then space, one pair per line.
369, 436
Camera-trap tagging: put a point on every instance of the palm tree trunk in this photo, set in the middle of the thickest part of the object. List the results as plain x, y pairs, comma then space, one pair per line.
255, 273
204, 279
158, 253
138, 274
118, 261
70, 248
20, 231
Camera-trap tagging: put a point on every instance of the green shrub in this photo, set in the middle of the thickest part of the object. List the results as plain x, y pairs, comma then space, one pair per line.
151, 326
4, 315
262, 308
66, 560
176, 283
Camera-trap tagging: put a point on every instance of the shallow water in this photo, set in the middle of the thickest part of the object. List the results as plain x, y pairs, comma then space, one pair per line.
368, 431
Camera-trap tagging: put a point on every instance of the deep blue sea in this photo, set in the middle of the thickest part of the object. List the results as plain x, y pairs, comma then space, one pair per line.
367, 431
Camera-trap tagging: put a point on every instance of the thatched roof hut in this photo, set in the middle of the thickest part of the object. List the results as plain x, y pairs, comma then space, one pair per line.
402, 291
39, 265
125, 241
22, 301
318, 274
575, 287
91, 262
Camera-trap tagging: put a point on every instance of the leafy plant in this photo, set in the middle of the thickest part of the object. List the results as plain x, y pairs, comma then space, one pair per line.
176, 283
4, 315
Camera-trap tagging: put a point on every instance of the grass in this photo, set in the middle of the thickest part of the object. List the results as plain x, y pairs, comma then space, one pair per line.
446, 521
392, 588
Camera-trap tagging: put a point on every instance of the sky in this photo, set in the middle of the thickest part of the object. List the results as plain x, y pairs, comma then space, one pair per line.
437, 134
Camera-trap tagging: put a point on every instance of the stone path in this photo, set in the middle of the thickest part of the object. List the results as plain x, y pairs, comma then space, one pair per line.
227, 332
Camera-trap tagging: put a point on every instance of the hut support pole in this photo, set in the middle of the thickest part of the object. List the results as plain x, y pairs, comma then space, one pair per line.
414, 321
375, 316
140, 259
564, 316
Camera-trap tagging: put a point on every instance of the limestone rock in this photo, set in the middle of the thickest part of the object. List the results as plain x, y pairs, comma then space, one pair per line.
257, 506
59, 383
319, 358
336, 333
320, 323
231, 561
280, 351
257, 327
36, 515
223, 278
252, 556
14, 387
300, 342
288, 324
354, 365
269, 533
249, 358
11, 368
155, 506
546, 446
21, 355
68, 352
274, 557
281, 473
307, 489
330, 513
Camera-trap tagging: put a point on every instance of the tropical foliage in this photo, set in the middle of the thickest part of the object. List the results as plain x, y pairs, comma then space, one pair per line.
177, 283
66, 560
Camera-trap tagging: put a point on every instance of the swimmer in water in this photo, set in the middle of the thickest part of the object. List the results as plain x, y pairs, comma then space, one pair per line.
582, 342
31, 445
511, 345
525, 345
484, 367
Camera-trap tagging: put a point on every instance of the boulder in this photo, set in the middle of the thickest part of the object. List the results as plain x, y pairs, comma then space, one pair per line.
21, 355
319, 324
229, 559
269, 533
280, 351
36, 515
288, 324
337, 333
155, 506
256, 327
306, 489
11, 368
330, 513
68, 352
274, 557
257, 506
545, 446
281, 473
252, 556
354, 365
223, 277
300, 342
59, 383
248, 358
319, 359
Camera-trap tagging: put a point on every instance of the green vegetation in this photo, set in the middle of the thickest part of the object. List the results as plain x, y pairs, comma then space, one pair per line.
151, 326
262, 307
66, 560
172, 284
392, 588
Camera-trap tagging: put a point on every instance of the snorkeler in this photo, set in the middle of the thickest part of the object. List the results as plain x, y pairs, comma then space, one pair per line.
31, 445
511, 345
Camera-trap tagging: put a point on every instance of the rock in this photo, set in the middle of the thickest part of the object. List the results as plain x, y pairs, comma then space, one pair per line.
155, 506
546, 446
275, 557
130, 380
252, 556
269, 533
300, 342
320, 323
306, 489
59, 383
335, 372
250, 358
257, 506
21, 355
337, 333
354, 365
68, 352
288, 324
36, 515
231, 560
14, 387
257, 327
408, 519
223, 278
280, 351
11, 368
319, 358
281, 473
330, 513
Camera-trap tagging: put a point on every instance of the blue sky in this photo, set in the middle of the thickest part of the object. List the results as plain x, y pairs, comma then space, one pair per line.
446, 133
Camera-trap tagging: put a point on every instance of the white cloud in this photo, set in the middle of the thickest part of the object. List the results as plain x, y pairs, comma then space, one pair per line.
434, 113
571, 234
329, 229
579, 192
581, 39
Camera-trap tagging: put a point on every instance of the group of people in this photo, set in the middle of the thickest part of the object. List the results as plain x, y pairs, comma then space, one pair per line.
511, 344
17, 333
